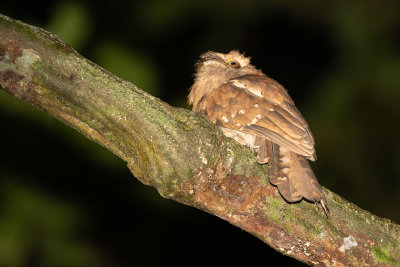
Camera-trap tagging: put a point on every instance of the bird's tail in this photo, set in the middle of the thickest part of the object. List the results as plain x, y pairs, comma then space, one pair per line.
293, 176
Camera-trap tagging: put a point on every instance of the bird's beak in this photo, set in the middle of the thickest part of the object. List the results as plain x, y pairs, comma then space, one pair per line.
220, 55
211, 58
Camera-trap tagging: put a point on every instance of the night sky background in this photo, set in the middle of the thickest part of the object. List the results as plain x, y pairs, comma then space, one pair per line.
66, 201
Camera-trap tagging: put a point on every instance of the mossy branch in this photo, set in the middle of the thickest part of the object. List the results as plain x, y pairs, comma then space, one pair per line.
185, 156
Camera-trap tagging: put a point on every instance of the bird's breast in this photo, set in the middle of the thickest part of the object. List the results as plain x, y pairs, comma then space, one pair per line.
243, 138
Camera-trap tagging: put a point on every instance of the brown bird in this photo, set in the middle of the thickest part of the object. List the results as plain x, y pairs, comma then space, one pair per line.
258, 112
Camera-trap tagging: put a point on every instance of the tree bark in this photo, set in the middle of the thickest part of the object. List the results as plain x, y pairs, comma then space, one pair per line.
184, 155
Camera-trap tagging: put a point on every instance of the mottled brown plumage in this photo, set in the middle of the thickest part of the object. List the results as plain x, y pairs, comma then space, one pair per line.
258, 112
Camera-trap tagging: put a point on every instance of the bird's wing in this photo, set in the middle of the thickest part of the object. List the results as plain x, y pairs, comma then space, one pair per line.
258, 105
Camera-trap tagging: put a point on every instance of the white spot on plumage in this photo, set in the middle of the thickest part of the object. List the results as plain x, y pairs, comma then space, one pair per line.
285, 170
282, 149
271, 109
285, 159
242, 138
238, 84
255, 91
254, 120
256, 105
225, 119
241, 111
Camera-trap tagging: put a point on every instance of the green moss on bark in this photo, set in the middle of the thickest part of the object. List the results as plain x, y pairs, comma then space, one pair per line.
382, 255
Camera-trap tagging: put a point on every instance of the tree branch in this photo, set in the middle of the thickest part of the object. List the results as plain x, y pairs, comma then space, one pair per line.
185, 156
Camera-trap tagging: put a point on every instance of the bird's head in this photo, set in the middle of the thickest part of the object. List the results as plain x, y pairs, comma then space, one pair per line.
214, 69
233, 62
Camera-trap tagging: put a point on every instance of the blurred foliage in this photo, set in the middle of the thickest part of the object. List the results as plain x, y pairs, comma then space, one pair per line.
45, 227
129, 65
340, 62
72, 22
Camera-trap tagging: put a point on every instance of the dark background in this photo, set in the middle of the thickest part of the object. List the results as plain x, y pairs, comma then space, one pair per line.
65, 201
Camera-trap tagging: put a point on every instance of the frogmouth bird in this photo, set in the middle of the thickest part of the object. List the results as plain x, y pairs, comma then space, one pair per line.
258, 112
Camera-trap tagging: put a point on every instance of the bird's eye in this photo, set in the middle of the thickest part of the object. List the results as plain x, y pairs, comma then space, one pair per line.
234, 64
